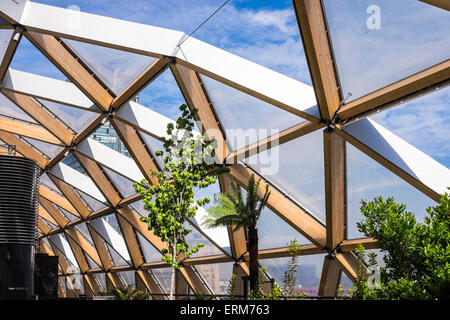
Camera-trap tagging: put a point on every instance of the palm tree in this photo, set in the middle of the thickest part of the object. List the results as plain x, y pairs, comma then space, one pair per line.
229, 209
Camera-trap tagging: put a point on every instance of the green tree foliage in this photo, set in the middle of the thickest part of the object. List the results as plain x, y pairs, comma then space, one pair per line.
417, 255
129, 294
188, 165
290, 275
230, 209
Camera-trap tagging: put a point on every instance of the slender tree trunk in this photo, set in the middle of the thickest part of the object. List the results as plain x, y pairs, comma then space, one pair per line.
172, 278
253, 252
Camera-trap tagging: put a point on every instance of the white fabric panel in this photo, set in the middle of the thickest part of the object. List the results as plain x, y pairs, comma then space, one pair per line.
149, 121
77, 180
111, 159
111, 236
13, 8
405, 156
46, 88
221, 65
154, 41
120, 34
219, 235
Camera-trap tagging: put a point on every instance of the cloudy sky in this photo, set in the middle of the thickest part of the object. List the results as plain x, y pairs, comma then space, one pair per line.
412, 36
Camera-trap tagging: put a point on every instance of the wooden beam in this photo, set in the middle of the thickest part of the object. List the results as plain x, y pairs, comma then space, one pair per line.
193, 280
23, 148
335, 184
60, 219
99, 178
58, 200
427, 78
100, 246
71, 196
113, 281
148, 75
62, 260
37, 112
28, 130
90, 282
331, 275
443, 4
314, 35
55, 51
44, 214
151, 284
16, 36
348, 264
43, 227
131, 241
196, 98
78, 253
284, 136
285, 209
141, 227
84, 245
137, 149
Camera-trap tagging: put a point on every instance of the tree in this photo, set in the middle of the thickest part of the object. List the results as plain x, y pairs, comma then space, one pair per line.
188, 164
229, 209
290, 275
417, 255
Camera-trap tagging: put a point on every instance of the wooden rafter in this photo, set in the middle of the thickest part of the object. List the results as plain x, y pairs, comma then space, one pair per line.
335, 204
28, 130
113, 281
284, 136
443, 4
137, 149
71, 196
313, 29
99, 178
100, 246
196, 98
43, 227
83, 244
89, 282
150, 284
193, 280
58, 200
60, 219
148, 75
55, 51
364, 106
78, 253
10, 50
44, 214
23, 148
131, 241
37, 112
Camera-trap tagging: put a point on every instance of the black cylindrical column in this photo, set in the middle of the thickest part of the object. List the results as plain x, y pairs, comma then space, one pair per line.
19, 196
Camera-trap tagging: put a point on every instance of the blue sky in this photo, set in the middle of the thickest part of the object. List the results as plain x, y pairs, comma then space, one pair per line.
413, 36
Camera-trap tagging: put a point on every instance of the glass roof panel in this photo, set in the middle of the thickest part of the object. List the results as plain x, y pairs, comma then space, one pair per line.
163, 96
117, 259
423, 123
216, 275
129, 278
153, 145
75, 118
246, 119
107, 135
163, 276
149, 251
194, 238
308, 272
378, 42
115, 67
50, 150
45, 180
29, 59
366, 179
11, 111
93, 204
5, 36
296, 167
124, 185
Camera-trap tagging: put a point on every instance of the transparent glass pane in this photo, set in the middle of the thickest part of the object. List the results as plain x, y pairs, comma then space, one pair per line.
163, 96
124, 185
163, 276
47, 182
74, 118
91, 262
108, 136
378, 42
308, 272
100, 279
153, 145
117, 259
72, 162
115, 67
93, 204
422, 122
366, 179
149, 252
67, 214
129, 278
48, 149
83, 229
216, 275
273, 232
194, 238
11, 111
245, 118
296, 167
29, 59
